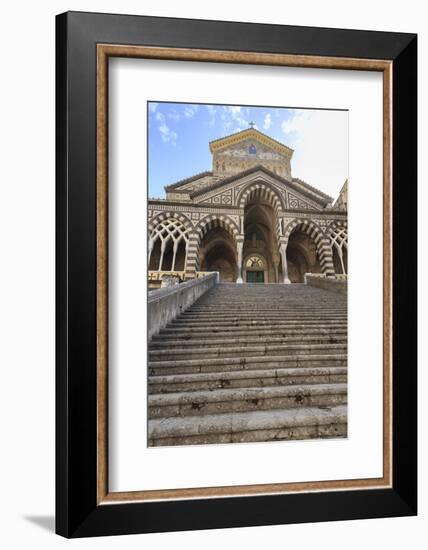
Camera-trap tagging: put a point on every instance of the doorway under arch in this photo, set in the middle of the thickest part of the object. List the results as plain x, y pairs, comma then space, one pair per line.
217, 252
255, 269
302, 257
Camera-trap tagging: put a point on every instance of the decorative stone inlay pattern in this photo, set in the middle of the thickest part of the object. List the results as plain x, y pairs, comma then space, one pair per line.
162, 216
295, 201
214, 199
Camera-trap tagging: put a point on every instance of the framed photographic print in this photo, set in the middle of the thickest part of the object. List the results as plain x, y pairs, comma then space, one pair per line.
236, 282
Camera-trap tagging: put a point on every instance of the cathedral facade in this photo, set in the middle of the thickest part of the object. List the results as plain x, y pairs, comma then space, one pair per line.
248, 218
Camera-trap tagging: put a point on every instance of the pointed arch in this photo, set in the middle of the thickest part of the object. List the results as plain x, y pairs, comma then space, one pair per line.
262, 190
159, 218
305, 225
169, 234
215, 220
321, 241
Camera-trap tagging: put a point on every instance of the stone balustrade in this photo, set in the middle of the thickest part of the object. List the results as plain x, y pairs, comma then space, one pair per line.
166, 304
320, 281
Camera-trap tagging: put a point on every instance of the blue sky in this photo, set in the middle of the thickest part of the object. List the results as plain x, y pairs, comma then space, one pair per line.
179, 134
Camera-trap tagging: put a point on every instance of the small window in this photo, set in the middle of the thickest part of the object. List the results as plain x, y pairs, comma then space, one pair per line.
254, 262
252, 150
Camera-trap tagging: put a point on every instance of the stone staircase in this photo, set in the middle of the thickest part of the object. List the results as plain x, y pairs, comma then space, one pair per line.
251, 362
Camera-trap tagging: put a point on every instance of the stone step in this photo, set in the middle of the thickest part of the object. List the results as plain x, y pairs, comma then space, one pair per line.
188, 366
263, 305
276, 425
246, 379
260, 299
255, 322
220, 299
244, 351
199, 403
273, 316
251, 363
213, 341
252, 330
267, 305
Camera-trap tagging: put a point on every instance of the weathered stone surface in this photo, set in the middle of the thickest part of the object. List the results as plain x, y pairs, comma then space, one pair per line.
279, 425
169, 280
334, 285
251, 350
166, 304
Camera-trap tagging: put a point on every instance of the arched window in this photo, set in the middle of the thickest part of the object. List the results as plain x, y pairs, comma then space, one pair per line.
339, 240
252, 149
171, 235
254, 262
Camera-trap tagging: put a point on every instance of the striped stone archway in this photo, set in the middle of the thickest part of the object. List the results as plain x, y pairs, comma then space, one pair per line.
213, 221
265, 192
163, 216
319, 238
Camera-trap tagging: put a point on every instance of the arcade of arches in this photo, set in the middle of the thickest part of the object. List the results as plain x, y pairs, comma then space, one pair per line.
251, 221
255, 256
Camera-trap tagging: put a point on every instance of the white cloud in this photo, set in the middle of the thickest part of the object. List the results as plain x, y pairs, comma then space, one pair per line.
153, 106
167, 135
267, 122
232, 115
235, 110
320, 143
173, 115
190, 111
212, 112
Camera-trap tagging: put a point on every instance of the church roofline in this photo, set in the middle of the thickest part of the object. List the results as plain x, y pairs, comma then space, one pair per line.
326, 199
219, 143
187, 180
312, 188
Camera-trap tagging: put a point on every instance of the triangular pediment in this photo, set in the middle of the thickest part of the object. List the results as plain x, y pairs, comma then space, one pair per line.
229, 191
191, 184
250, 135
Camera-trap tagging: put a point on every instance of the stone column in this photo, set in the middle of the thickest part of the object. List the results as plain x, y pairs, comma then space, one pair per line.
340, 253
191, 256
240, 247
161, 256
286, 280
174, 255
325, 253
275, 259
149, 253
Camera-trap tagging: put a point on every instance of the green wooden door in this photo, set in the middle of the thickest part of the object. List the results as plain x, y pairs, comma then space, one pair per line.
255, 277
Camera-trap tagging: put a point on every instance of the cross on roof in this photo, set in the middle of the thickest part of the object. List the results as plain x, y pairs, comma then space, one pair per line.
251, 124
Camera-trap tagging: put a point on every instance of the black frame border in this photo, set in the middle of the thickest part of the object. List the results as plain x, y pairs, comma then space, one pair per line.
77, 512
